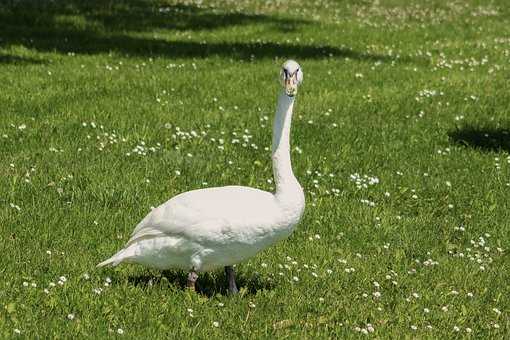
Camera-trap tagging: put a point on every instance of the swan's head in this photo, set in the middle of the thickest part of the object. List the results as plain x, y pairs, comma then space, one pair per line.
291, 76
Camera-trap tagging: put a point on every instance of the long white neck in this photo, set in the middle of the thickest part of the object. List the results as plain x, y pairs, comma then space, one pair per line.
287, 185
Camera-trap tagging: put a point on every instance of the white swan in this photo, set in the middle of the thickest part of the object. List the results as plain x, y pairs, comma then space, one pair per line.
201, 230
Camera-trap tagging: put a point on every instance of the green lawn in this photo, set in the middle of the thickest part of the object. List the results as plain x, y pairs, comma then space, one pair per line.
401, 140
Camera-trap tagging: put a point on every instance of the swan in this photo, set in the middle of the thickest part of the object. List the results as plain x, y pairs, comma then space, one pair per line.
201, 230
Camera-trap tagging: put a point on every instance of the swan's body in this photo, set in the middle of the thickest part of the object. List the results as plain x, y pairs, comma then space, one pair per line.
209, 228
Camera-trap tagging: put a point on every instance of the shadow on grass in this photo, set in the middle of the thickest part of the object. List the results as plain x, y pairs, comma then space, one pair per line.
207, 284
12, 59
483, 139
131, 27
144, 15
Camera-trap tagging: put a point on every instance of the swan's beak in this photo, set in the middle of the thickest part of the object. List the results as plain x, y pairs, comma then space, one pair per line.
291, 83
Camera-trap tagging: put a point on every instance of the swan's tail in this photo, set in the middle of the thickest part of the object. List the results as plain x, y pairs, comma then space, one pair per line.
114, 260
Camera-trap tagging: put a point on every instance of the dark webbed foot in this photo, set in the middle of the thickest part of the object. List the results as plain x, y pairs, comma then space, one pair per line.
192, 279
231, 278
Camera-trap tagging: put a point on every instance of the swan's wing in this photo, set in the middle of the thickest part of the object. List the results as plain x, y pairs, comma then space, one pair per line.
213, 214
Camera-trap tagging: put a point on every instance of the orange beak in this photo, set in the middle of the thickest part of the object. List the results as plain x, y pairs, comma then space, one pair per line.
291, 85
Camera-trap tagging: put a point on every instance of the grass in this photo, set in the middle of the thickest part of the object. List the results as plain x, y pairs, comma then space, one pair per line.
400, 137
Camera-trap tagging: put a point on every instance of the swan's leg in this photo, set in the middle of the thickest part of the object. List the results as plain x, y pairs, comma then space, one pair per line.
192, 278
231, 277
